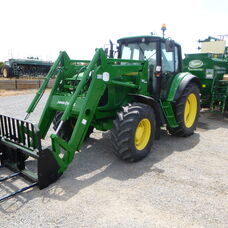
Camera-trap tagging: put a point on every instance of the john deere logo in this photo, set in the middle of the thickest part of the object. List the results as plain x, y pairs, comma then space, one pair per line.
195, 63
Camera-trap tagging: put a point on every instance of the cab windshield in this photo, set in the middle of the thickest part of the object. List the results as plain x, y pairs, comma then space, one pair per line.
139, 51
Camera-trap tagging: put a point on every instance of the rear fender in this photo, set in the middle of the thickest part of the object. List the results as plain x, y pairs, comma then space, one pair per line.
179, 84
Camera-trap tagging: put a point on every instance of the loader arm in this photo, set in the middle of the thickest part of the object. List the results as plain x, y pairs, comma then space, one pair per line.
85, 116
62, 57
20, 139
97, 78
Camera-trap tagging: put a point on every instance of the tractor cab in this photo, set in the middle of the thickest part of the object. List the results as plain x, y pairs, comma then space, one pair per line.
162, 53
163, 56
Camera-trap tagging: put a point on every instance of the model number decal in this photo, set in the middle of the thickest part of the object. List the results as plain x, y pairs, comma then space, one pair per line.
63, 102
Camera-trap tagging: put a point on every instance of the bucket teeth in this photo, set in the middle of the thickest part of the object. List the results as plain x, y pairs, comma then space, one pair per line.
17, 192
10, 176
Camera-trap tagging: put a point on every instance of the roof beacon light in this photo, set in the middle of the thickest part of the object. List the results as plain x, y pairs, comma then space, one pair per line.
163, 28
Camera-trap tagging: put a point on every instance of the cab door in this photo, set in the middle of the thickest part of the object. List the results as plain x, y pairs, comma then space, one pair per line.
170, 65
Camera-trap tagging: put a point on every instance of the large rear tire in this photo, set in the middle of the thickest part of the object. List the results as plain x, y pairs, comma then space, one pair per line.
187, 111
133, 132
6, 71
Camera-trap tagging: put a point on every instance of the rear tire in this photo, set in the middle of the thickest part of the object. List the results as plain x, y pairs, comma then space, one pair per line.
186, 110
6, 71
133, 132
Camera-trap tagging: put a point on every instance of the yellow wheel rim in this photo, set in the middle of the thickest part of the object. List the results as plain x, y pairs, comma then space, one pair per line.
142, 134
190, 110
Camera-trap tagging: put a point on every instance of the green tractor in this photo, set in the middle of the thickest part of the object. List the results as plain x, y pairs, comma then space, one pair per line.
211, 67
133, 95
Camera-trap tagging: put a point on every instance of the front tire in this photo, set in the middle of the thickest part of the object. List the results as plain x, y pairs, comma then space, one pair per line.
133, 132
187, 111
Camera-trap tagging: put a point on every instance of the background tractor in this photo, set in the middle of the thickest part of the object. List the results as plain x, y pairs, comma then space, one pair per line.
133, 95
211, 67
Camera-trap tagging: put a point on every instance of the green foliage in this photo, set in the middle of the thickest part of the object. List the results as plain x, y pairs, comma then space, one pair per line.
1, 65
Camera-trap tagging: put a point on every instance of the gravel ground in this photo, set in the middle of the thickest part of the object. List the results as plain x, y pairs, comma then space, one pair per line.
182, 183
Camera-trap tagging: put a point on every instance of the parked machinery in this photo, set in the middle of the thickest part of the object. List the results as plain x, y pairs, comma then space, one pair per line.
211, 67
21, 67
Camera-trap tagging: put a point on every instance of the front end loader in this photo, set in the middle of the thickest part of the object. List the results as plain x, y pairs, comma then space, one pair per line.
133, 95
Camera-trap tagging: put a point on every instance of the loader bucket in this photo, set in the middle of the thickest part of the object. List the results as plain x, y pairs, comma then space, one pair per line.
20, 142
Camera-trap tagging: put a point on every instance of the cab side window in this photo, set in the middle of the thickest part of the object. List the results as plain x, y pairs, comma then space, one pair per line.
168, 62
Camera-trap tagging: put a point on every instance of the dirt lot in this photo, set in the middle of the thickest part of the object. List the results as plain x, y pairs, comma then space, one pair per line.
4, 92
182, 183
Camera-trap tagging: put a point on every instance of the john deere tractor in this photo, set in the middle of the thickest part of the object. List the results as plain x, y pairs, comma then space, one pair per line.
133, 95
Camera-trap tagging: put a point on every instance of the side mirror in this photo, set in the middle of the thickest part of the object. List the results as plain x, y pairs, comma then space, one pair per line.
106, 51
111, 52
170, 45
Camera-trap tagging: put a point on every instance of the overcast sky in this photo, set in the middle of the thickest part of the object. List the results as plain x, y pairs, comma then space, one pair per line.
45, 27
